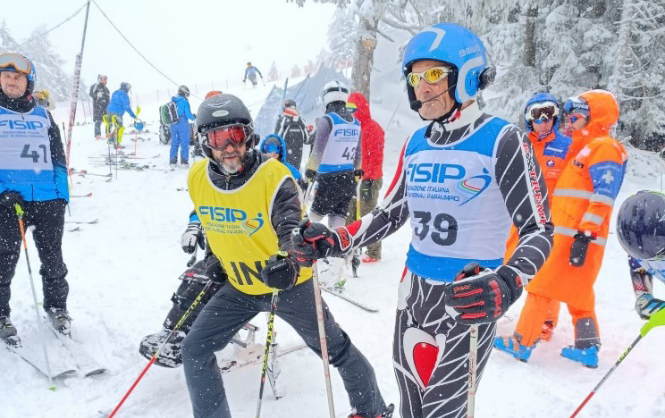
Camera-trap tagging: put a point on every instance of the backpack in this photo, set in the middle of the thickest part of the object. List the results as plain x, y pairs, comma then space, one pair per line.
168, 113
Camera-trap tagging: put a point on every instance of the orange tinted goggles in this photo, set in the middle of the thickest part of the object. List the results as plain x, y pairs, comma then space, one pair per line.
219, 138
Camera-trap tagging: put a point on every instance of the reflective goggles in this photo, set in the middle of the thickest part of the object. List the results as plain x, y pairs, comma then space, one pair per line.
272, 149
542, 112
431, 76
20, 64
574, 117
351, 107
219, 138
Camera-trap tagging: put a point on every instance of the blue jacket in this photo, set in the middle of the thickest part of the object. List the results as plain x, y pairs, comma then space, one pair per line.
282, 156
120, 104
250, 72
184, 111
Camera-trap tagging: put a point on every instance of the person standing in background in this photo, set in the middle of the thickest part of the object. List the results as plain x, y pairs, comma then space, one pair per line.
100, 100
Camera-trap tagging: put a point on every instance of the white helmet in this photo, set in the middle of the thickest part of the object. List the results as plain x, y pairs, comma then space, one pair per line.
334, 91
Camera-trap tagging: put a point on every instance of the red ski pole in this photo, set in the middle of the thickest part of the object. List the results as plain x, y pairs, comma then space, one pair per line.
156, 355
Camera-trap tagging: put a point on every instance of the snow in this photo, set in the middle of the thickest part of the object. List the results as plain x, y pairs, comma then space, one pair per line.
123, 270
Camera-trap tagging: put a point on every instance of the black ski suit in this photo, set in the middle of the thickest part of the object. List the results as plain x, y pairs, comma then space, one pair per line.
294, 132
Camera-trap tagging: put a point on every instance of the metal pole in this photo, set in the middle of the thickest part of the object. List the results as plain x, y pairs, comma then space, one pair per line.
322, 339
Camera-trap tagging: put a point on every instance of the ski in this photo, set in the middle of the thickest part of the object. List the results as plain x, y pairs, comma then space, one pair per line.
232, 365
81, 195
83, 361
30, 352
361, 305
84, 173
57, 372
94, 221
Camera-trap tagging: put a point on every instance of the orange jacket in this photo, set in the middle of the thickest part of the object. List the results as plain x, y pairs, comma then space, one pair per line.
582, 201
552, 152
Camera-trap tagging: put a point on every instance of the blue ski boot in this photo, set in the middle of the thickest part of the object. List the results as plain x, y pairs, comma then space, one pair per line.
587, 356
511, 346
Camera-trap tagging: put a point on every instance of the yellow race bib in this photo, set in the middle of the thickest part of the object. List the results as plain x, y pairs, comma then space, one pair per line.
237, 222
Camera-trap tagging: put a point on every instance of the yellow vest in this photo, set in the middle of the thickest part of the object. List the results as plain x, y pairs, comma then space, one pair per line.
237, 223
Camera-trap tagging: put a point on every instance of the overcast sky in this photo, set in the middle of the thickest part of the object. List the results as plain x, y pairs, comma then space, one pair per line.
191, 40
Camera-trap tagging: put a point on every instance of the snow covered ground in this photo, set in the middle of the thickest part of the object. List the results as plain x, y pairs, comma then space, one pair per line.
124, 269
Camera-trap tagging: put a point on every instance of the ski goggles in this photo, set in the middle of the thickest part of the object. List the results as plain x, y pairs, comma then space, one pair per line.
272, 149
542, 112
16, 62
351, 107
219, 138
431, 76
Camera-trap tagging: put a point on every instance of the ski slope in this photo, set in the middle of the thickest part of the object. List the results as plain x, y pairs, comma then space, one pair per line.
123, 270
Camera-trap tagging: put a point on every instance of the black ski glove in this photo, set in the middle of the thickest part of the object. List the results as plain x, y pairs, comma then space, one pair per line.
193, 235
579, 249
281, 272
9, 199
312, 241
481, 295
214, 270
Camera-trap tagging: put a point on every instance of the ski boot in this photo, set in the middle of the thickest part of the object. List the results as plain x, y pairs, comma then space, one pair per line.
510, 345
587, 356
171, 354
8, 332
60, 320
388, 413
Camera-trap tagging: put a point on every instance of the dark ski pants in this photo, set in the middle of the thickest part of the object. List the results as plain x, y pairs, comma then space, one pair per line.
180, 140
48, 218
225, 315
423, 326
294, 144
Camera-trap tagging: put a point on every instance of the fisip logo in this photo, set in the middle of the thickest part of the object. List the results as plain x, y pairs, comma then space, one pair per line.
220, 214
22, 125
346, 132
434, 172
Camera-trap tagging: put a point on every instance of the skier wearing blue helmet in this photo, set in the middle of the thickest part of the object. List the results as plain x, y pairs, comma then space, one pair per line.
275, 146
33, 185
462, 181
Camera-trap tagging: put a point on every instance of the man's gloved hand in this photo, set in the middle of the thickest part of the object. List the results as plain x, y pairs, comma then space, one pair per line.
310, 174
646, 305
214, 270
358, 174
193, 235
281, 272
482, 295
9, 199
312, 241
579, 249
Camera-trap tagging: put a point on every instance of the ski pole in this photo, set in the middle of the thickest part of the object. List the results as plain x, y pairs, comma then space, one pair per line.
19, 213
322, 339
156, 355
473, 362
192, 260
266, 352
657, 319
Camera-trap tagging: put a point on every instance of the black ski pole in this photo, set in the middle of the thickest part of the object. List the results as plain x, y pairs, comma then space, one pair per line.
266, 352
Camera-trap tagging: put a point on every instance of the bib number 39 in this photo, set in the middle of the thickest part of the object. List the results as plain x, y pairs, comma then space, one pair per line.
443, 227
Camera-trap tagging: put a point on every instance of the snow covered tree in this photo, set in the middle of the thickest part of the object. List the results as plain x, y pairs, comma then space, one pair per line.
273, 74
50, 75
341, 36
296, 71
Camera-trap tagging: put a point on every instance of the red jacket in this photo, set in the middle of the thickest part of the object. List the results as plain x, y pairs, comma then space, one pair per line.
372, 139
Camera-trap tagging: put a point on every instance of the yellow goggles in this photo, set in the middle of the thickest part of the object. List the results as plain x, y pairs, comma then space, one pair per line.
431, 76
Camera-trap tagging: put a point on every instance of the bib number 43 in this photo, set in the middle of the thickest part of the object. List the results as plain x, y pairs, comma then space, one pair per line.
34, 154
443, 227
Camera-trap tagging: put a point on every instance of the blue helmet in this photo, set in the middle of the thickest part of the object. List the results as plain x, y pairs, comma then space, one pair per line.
456, 46
18, 63
540, 98
641, 225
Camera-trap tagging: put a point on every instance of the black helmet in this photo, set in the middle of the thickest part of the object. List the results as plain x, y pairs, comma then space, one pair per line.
288, 103
641, 225
125, 86
222, 110
183, 91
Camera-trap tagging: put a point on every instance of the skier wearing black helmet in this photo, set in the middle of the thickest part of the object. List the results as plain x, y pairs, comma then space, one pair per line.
291, 127
180, 131
236, 192
641, 232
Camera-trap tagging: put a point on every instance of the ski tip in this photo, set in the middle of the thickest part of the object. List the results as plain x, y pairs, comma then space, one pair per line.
52, 388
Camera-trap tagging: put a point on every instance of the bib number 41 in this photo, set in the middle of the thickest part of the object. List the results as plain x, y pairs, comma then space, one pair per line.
443, 227
34, 155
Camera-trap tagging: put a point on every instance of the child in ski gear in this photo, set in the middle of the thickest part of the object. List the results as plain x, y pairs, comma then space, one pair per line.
116, 109
100, 100
462, 180
274, 146
552, 149
641, 233
292, 128
37, 185
251, 72
372, 143
180, 130
259, 190
581, 209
